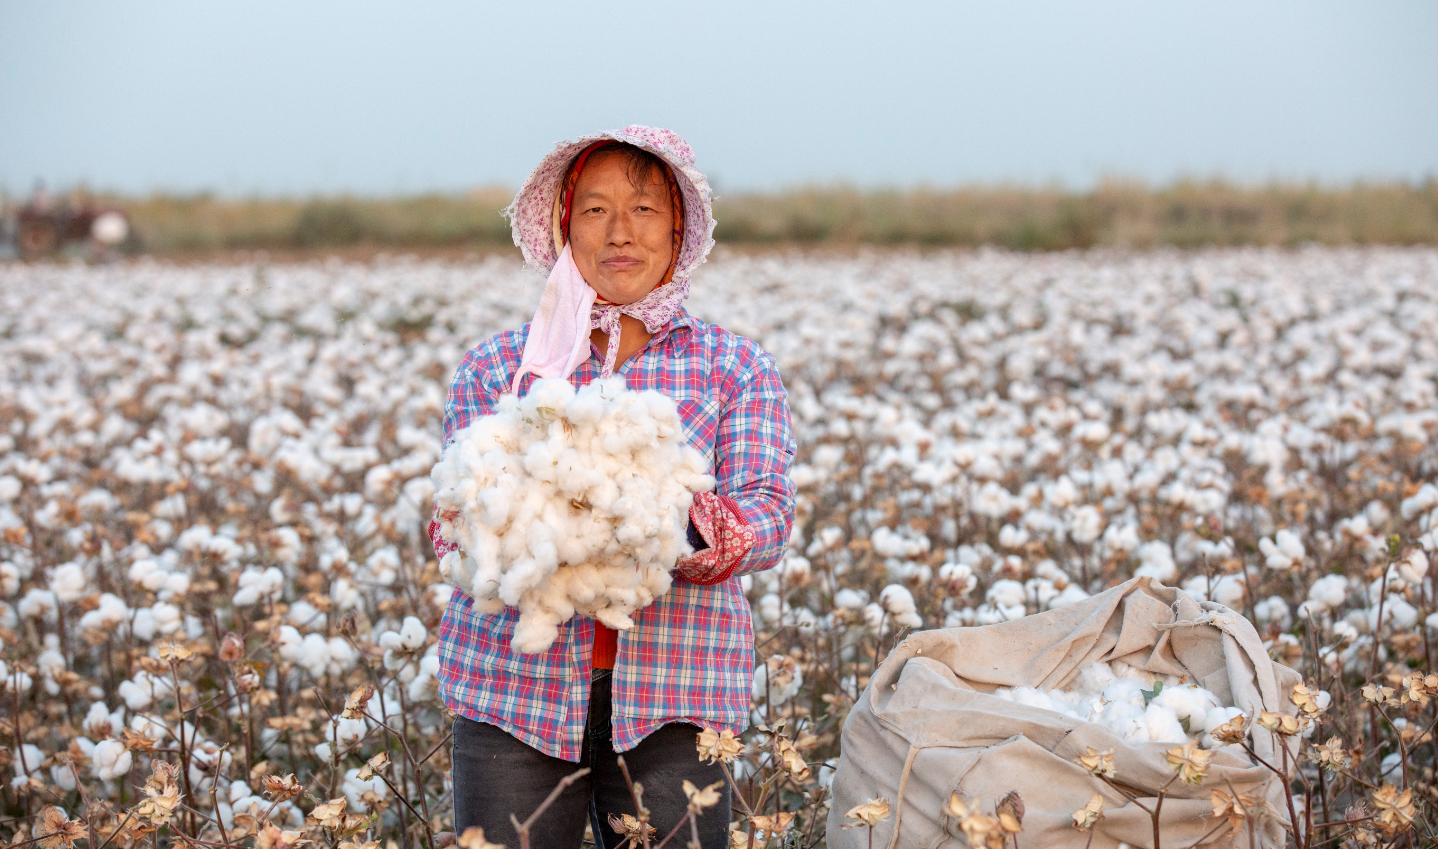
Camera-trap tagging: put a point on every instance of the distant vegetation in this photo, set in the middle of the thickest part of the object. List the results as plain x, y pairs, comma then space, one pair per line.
1186, 214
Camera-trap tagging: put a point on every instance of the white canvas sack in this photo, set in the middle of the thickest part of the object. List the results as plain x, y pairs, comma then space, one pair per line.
925, 726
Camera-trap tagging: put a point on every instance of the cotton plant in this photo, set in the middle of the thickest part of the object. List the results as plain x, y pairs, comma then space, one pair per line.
568, 502
961, 420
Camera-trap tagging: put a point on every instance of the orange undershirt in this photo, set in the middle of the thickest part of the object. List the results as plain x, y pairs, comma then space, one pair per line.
606, 646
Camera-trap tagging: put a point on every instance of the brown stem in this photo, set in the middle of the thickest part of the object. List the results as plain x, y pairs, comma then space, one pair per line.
1200, 840
400, 796
1402, 749
1157, 808
688, 817
1127, 795
184, 748
437, 747
737, 794
636, 793
119, 828
214, 802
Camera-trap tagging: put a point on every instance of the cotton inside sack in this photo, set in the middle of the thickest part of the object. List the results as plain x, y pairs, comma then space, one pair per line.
929, 724
568, 502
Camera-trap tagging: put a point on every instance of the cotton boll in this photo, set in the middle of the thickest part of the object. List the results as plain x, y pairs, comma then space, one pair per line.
1156, 562
302, 614
143, 625
1006, 593
256, 584
355, 790
1126, 719
345, 594
141, 691
1413, 568
109, 616
38, 604
537, 632
547, 398
1329, 591
1163, 725
1125, 690
778, 680
26, 762
1284, 551
399, 645
1040, 591
1228, 590
68, 582
1070, 595
424, 686
1086, 524
1272, 610
1094, 678
1189, 703
898, 602
110, 760
1214, 718
100, 723
343, 733
1398, 614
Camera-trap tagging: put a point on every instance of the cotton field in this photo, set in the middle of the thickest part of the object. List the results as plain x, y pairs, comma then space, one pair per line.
219, 608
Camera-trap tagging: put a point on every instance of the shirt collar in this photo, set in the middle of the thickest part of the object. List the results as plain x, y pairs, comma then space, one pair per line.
681, 320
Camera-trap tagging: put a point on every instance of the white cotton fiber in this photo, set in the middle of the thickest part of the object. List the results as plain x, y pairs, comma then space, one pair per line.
1122, 698
567, 502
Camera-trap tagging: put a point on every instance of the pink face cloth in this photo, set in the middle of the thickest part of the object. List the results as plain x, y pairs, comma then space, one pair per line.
558, 340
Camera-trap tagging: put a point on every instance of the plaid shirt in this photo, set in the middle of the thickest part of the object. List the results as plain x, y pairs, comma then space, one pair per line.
690, 655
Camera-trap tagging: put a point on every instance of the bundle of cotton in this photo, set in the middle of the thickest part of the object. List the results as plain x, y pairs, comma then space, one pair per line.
568, 502
1136, 705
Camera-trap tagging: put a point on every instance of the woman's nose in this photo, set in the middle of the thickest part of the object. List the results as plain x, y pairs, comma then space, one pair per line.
621, 230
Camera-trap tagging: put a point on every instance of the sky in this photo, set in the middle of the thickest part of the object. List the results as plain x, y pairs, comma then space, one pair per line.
287, 97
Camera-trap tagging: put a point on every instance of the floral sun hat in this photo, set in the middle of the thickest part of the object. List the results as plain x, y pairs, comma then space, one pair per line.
532, 214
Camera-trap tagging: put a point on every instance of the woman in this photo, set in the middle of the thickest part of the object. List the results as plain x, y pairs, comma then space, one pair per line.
619, 221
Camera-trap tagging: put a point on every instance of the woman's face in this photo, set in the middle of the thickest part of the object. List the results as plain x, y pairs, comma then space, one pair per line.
621, 235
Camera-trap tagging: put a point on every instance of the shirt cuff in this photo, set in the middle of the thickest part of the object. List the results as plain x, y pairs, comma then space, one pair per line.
726, 532
441, 545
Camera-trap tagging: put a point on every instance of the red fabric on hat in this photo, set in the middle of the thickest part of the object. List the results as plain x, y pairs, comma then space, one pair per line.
572, 178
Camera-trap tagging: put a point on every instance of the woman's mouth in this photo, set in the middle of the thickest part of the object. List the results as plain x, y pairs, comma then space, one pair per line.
621, 263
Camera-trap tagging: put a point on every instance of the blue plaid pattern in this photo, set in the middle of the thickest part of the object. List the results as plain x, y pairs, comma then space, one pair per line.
690, 655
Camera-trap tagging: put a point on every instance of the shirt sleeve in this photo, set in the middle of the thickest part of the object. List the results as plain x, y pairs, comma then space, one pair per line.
477, 385
754, 448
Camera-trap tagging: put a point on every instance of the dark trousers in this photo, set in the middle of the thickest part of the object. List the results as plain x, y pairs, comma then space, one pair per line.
496, 775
